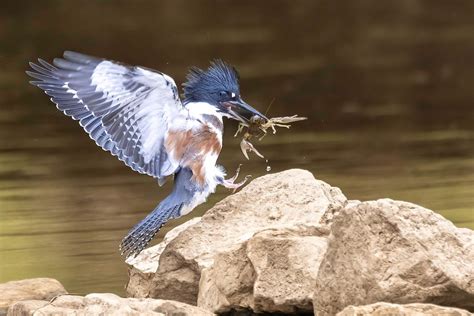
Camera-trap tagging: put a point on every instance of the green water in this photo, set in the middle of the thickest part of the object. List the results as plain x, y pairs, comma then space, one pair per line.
387, 89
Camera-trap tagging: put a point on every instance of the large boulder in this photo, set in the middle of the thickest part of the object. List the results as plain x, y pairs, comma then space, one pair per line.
275, 212
146, 263
415, 309
104, 304
274, 271
288, 243
395, 252
29, 289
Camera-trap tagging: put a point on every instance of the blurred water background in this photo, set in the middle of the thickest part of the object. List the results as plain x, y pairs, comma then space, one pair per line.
387, 87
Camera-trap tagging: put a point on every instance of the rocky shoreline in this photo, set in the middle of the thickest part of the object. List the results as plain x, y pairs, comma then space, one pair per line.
288, 243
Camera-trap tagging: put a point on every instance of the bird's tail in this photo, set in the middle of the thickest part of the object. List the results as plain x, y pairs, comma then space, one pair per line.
137, 238
184, 197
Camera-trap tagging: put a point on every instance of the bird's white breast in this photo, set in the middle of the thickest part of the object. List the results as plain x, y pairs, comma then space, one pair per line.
198, 109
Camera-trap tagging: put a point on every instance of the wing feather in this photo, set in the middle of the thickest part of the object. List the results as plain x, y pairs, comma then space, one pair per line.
126, 110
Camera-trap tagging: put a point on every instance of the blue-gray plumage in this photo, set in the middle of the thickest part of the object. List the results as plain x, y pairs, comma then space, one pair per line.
136, 114
170, 207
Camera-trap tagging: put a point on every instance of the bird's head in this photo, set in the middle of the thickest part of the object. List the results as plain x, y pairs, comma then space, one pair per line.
219, 87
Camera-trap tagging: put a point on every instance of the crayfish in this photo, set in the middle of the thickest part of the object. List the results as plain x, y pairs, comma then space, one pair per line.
257, 126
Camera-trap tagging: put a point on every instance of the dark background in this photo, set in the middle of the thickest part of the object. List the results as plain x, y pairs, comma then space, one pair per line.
386, 85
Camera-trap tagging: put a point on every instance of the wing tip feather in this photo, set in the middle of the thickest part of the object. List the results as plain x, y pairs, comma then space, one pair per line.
32, 74
80, 58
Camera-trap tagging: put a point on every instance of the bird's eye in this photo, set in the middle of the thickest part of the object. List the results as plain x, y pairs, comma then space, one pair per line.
223, 93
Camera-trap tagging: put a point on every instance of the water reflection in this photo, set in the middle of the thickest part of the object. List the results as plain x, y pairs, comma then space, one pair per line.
385, 87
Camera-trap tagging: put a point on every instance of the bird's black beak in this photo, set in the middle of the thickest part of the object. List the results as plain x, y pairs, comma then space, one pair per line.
241, 111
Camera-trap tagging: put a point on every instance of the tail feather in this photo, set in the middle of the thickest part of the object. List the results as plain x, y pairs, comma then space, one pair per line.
137, 238
185, 194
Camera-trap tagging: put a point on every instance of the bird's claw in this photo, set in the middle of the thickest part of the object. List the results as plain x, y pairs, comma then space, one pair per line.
230, 183
236, 175
235, 186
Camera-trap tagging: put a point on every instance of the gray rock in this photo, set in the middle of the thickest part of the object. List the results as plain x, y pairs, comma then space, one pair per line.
29, 289
395, 252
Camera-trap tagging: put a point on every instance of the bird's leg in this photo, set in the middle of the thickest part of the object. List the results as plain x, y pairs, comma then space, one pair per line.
230, 183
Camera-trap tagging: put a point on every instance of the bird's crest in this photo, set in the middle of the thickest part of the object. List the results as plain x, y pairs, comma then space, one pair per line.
201, 84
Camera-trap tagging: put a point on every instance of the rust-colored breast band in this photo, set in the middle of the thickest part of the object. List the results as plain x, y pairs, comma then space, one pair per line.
191, 148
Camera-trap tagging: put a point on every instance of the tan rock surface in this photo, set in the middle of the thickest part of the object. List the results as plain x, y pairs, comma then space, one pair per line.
274, 271
104, 304
396, 252
289, 243
29, 289
275, 201
144, 266
384, 309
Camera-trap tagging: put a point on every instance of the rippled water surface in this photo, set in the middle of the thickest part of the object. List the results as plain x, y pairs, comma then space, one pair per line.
387, 88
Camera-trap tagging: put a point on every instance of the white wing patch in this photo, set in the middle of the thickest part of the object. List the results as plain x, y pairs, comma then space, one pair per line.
108, 77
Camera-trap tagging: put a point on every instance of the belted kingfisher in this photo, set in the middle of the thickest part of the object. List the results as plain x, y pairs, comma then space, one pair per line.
136, 114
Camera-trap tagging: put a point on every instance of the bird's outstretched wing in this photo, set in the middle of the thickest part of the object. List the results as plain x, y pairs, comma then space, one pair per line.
126, 110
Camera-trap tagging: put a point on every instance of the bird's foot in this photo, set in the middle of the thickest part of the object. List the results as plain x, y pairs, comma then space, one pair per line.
230, 183
234, 186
